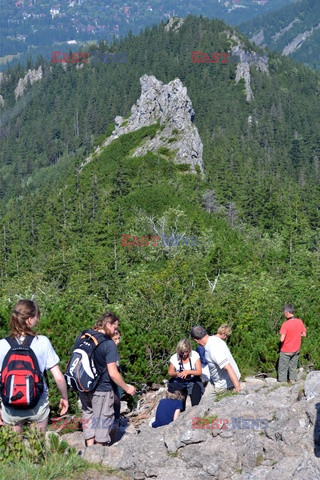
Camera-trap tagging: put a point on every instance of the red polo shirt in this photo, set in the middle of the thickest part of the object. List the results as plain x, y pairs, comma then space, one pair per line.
292, 328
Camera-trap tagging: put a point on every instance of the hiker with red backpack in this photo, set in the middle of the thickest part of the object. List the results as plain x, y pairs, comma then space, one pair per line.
24, 356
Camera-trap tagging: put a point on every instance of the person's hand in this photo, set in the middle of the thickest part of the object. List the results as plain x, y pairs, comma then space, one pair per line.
238, 388
182, 374
64, 406
131, 390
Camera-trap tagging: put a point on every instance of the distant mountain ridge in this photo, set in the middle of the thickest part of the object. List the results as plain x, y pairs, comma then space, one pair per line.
293, 30
35, 28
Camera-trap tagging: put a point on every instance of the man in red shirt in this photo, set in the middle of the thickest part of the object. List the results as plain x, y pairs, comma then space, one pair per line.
291, 332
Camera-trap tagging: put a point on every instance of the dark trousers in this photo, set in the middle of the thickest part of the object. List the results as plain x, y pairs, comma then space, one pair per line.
195, 396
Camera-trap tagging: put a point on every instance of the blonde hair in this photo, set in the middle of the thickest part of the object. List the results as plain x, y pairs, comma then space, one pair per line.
23, 310
176, 395
182, 346
224, 329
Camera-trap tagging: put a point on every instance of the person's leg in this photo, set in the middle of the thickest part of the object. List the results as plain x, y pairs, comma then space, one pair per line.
103, 416
184, 400
16, 428
87, 414
283, 367
196, 394
115, 426
42, 426
293, 365
40, 415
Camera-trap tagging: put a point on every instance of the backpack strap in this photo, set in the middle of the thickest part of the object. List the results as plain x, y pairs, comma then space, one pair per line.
13, 342
28, 340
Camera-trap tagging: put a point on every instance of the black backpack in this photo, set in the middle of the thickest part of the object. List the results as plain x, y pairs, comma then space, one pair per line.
81, 373
21, 383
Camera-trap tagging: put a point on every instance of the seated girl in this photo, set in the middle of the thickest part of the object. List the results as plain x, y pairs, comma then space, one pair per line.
169, 409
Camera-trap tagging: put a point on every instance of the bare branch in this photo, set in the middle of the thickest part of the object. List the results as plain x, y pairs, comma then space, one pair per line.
212, 285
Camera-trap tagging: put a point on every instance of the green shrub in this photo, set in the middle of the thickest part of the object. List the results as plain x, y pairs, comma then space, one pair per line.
31, 445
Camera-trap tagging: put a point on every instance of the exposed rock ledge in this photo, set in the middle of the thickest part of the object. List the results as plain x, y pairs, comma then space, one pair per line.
170, 105
243, 67
298, 41
31, 76
289, 448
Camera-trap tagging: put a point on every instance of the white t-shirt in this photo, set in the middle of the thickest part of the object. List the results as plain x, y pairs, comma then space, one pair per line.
41, 345
186, 366
218, 356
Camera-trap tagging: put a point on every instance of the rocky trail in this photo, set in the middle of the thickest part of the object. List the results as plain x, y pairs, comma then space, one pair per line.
270, 430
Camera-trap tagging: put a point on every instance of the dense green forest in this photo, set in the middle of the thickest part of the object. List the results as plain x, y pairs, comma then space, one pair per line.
255, 214
280, 28
35, 28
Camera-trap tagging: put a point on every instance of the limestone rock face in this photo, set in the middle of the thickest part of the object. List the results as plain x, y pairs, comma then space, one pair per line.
267, 432
170, 105
3, 77
174, 23
258, 38
247, 59
299, 40
32, 76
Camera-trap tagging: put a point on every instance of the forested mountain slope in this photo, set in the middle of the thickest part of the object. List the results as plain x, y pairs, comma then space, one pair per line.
255, 213
36, 28
292, 30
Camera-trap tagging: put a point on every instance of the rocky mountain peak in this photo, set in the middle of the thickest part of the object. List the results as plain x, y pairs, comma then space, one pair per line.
172, 108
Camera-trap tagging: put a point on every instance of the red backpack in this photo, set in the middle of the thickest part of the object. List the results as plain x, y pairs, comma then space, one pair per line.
21, 381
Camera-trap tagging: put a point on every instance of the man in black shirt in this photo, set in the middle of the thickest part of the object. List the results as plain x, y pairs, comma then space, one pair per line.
98, 405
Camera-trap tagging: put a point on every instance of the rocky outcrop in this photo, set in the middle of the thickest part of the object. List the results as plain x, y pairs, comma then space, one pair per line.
246, 60
269, 431
172, 108
258, 38
3, 77
277, 35
32, 76
298, 41
174, 24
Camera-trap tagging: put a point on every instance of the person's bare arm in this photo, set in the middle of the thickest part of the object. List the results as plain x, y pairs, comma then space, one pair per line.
172, 371
233, 377
304, 334
282, 337
176, 414
62, 386
117, 378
